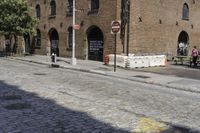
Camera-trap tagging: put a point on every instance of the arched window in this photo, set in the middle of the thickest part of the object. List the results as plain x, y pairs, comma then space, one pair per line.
185, 13
70, 35
53, 8
94, 6
38, 39
38, 11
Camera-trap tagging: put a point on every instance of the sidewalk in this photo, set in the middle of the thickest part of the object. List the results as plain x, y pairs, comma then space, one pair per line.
95, 67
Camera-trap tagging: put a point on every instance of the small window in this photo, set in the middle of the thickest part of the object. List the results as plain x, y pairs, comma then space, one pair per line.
38, 11
185, 13
70, 37
53, 8
94, 5
70, 8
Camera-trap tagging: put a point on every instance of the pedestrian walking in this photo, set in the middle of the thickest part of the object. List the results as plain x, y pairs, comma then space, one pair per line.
195, 54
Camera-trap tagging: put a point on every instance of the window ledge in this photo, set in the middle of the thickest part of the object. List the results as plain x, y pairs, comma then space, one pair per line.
52, 16
91, 12
187, 19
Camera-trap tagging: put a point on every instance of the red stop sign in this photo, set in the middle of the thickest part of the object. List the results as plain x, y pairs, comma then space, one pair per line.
115, 27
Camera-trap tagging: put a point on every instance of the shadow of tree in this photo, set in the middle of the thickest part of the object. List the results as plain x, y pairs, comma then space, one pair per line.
25, 112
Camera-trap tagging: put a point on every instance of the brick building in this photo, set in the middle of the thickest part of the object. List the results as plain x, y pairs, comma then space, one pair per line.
148, 26
161, 25
54, 33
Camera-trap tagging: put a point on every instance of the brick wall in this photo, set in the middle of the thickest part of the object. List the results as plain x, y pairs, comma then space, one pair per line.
102, 19
155, 25
160, 25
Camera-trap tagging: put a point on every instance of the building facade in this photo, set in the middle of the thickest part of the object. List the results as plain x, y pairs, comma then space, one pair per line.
168, 27
164, 26
54, 33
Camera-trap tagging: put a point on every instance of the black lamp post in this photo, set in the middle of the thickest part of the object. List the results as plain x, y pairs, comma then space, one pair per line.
125, 19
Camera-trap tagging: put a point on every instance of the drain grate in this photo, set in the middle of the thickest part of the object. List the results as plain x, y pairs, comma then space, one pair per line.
142, 76
17, 106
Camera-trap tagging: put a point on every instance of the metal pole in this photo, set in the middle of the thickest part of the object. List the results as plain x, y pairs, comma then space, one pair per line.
128, 28
73, 60
115, 52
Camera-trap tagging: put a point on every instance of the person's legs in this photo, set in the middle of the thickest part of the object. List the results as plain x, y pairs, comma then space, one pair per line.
195, 61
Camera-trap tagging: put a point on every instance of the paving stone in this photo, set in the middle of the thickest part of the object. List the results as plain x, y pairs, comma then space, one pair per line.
89, 103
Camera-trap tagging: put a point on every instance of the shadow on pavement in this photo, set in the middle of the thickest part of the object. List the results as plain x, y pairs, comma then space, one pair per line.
176, 70
25, 112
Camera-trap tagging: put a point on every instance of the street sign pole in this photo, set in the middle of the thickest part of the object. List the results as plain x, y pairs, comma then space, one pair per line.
73, 59
115, 28
115, 60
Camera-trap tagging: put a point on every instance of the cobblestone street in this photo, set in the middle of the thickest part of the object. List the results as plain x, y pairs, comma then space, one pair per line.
38, 99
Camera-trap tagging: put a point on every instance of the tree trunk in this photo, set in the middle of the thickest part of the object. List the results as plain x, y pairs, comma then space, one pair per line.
14, 50
10, 42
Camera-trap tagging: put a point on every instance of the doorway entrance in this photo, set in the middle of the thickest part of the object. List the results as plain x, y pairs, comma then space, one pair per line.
54, 39
95, 43
183, 41
27, 43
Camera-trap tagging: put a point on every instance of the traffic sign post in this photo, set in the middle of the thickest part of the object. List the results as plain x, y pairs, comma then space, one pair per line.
73, 59
115, 53
115, 28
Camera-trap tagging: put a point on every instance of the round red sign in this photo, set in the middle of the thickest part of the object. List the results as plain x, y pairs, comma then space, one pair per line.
115, 27
76, 27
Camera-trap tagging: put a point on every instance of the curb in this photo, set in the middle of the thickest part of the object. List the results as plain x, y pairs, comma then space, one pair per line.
54, 65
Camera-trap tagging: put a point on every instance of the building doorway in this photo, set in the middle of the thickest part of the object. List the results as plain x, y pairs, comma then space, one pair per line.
95, 44
27, 43
54, 39
183, 42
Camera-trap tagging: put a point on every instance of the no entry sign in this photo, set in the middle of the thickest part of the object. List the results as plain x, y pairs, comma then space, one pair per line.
115, 27
76, 27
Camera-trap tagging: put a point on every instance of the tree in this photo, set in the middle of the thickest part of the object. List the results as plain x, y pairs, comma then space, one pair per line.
16, 19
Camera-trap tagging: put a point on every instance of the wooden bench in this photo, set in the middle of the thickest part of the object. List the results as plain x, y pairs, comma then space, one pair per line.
184, 59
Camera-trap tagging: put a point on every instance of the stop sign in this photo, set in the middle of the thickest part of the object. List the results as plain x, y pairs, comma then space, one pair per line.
115, 27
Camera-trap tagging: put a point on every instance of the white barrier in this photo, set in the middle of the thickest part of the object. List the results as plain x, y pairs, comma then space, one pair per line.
121, 60
138, 61
158, 60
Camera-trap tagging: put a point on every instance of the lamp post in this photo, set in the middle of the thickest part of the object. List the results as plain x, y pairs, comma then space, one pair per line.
73, 59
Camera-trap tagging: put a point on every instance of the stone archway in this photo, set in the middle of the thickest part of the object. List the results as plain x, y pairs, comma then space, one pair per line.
183, 42
95, 43
54, 40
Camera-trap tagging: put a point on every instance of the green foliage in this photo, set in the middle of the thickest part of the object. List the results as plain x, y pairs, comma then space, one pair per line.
15, 18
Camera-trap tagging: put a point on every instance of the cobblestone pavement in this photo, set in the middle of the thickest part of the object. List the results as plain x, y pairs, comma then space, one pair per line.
38, 99
177, 70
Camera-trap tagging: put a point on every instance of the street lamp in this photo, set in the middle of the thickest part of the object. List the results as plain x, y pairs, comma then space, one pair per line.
73, 59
